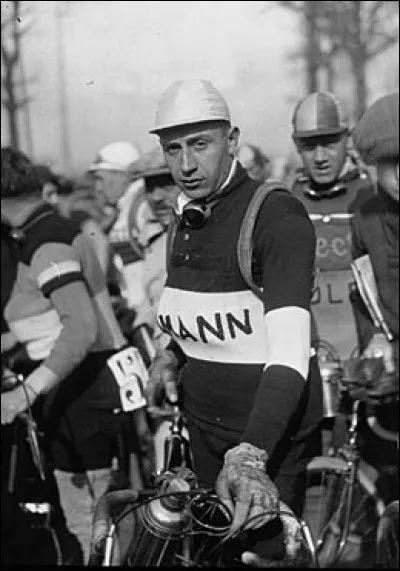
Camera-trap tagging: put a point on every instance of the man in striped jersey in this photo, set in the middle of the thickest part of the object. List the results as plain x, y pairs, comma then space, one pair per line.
59, 309
250, 390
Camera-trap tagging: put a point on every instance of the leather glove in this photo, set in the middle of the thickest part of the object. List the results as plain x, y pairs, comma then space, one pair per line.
162, 384
296, 552
245, 488
378, 347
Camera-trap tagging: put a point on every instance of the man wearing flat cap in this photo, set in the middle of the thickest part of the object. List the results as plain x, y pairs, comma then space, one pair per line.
376, 239
376, 224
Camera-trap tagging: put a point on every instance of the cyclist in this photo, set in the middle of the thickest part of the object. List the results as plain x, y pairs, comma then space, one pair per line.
134, 228
376, 234
63, 194
250, 392
376, 224
331, 184
60, 310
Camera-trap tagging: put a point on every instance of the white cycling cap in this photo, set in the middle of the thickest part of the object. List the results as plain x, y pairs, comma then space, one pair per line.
190, 101
118, 156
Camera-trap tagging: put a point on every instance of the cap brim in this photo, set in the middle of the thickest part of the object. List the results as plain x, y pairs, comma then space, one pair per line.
105, 167
161, 128
319, 132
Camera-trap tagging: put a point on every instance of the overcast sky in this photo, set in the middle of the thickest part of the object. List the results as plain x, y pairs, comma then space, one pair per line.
120, 56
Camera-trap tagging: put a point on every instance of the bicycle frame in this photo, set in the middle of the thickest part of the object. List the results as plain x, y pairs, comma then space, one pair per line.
42, 509
339, 521
349, 452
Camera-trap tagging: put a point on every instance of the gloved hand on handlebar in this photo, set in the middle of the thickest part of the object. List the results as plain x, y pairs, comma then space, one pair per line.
15, 401
162, 384
378, 347
296, 550
244, 486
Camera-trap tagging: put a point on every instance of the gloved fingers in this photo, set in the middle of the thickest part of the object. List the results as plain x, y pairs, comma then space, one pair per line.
242, 510
223, 492
293, 545
293, 532
264, 507
253, 560
171, 391
388, 362
149, 393
161, 384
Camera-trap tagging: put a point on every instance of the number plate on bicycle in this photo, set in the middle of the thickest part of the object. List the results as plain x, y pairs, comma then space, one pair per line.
131, 375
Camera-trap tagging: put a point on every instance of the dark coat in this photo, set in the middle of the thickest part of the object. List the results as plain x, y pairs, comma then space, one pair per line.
376, 232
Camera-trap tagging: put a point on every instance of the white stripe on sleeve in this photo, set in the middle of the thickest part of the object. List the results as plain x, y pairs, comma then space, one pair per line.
57, 270
288, 334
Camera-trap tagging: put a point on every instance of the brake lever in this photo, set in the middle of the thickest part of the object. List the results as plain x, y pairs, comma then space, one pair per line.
32, 438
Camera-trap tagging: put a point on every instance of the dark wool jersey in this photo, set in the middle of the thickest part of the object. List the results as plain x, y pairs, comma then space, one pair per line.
231, 339
332, 216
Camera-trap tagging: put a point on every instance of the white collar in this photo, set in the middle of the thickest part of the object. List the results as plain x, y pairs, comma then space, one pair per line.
182, 199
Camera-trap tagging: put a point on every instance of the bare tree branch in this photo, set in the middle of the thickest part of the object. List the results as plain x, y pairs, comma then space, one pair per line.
385, 43
23, 30
17, 24
292, 5
352, 29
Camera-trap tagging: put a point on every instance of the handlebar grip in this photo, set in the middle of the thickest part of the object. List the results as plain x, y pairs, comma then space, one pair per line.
101, 518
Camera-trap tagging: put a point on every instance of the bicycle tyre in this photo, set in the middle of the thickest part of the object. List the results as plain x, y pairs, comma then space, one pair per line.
387, 538
325, 485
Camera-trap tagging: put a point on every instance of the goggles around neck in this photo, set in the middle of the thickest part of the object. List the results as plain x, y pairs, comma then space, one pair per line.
194, 214
337, 189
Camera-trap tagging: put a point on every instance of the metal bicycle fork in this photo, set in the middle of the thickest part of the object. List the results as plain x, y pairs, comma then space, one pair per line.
341, 519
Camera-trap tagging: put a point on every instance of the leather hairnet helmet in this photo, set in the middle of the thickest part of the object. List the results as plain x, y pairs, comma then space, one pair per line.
190, 101
316, 115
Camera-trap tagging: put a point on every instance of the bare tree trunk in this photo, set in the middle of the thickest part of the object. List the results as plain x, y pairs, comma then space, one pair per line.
312, 47
10, 59
65, 149
12, 108
359, 57
26, 110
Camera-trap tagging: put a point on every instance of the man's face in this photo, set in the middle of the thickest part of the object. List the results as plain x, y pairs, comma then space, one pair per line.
199, 156
387, 173
162, 198
110, 184
323, 156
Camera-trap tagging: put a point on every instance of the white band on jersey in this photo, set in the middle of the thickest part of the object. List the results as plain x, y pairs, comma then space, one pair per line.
288, 334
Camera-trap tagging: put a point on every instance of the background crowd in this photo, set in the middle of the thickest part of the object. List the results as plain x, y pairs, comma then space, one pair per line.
124, 205
117, 280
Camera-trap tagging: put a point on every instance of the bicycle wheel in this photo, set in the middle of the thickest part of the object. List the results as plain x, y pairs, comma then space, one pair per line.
326, 499
387, 538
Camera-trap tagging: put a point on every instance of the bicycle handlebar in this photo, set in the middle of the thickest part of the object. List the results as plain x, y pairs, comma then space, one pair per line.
103, 529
